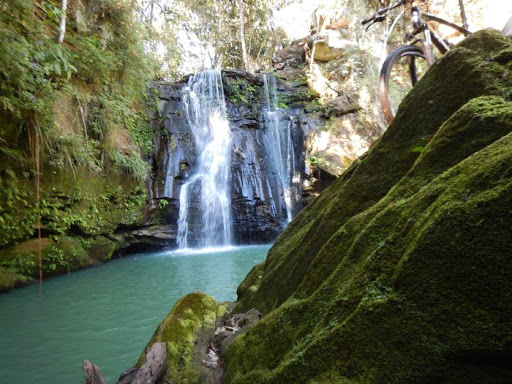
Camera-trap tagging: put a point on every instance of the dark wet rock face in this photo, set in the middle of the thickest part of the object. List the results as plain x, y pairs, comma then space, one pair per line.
259, 208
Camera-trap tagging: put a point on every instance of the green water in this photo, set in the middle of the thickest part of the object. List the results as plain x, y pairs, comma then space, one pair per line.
107, 314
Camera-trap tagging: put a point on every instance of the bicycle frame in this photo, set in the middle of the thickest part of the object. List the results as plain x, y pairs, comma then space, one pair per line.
416, 47
431, 38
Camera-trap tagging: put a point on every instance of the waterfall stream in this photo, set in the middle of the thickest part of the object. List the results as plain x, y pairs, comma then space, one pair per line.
234, 180
204, 198
279, 146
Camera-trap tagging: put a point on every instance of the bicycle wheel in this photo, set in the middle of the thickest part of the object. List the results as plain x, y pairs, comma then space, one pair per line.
401, 70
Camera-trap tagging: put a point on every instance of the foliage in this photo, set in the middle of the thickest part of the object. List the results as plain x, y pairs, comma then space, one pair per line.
20, 264
132, 164
163, 203
83, 104
71, 150
207, 33
238, 89
90, 211
54, 259
106, 76
18, 212
77, 203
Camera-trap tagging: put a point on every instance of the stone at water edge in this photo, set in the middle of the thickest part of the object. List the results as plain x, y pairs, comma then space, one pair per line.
187, 333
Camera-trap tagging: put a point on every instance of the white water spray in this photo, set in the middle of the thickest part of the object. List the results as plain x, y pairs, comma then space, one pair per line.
204, 198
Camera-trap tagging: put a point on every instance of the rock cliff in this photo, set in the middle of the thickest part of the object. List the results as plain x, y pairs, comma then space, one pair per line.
258, 211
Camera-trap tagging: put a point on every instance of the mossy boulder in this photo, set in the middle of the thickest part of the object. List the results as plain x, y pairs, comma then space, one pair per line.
10, 280
60, 255
187, 332
100, 247
80, 210
400, 272
467, 72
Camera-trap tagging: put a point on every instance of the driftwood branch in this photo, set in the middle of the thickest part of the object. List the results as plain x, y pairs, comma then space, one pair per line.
93, 373
152, 370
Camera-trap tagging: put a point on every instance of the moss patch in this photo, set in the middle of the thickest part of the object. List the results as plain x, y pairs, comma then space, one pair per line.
9, 280
99, 247
58, 256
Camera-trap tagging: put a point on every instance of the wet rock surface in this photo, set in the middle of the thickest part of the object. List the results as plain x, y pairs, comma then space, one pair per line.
258, 210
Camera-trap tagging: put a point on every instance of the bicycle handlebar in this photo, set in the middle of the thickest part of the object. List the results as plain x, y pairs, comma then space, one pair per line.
381, 14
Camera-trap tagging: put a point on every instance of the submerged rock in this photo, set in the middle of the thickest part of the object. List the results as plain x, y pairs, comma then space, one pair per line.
400, 271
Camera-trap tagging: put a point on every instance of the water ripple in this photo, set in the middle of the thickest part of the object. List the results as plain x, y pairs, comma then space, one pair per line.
107, 314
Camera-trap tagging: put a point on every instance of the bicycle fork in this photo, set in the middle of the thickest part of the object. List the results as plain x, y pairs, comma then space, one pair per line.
419, 25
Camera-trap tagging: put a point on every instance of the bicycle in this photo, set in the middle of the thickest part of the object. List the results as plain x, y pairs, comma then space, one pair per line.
405, 57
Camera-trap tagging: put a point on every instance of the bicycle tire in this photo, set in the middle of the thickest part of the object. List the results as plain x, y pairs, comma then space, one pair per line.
404, 51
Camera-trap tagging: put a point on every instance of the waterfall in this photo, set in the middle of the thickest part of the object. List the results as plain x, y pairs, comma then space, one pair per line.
279, 147
204, 198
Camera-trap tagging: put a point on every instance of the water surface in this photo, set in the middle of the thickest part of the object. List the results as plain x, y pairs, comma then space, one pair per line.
107, 314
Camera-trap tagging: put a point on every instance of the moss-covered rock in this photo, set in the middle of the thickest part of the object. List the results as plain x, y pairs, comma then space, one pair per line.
400, 272
10, 280
58, 256
187, 332
467, 72
80, 210
99, 247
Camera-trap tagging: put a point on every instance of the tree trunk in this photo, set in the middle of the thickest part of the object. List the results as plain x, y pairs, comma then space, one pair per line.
507, 30
242, 34
62, 25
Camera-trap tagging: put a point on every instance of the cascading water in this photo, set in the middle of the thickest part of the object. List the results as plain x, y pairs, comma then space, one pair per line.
279, 146
206, 192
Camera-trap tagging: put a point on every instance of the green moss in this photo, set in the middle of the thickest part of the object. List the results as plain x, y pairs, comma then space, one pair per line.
400, 271
464, 73
95, 205
239, 90
10, 280
58, 256
7, 280
399, 307
222, 310
190, 324
98, 247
